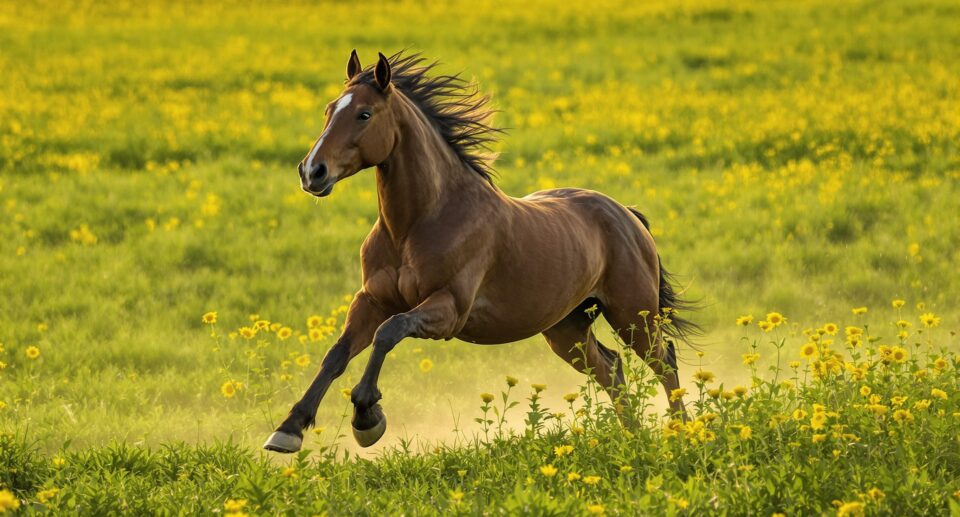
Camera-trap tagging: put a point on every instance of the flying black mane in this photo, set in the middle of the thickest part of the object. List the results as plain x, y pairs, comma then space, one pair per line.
458, 111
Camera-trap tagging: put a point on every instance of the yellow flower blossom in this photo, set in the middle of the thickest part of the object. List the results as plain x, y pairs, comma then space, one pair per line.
776, 319
859, 310
33, 352
548, 471
209, 318
903, 415
851, 509
703, 376
8, 501
929, 320
743, 321
230, 388
677, 394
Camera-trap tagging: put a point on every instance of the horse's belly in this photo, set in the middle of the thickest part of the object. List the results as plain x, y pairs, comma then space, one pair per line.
492, 324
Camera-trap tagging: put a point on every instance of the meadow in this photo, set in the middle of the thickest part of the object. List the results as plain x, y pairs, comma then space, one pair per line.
798, 161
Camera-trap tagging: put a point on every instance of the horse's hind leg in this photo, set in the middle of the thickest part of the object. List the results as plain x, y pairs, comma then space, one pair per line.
622, 310
574, 341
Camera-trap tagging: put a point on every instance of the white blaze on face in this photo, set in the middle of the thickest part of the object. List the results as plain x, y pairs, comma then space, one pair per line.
342, 103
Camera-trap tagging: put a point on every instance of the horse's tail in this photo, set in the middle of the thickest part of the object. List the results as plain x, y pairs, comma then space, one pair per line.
673, 306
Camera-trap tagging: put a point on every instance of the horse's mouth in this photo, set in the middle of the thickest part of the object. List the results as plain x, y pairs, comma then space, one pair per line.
324, 192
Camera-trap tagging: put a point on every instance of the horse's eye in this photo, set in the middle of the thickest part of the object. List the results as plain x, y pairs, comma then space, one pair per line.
364, 115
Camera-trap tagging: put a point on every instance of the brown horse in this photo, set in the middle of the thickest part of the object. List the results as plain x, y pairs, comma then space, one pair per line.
453, 256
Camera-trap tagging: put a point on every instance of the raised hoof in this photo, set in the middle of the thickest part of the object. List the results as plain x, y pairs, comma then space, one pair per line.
368, 437
283, 442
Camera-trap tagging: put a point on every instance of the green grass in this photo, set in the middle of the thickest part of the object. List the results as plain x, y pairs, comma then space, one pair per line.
797, 157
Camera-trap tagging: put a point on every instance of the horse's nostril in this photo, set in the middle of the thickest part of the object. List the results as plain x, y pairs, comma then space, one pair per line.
321, 171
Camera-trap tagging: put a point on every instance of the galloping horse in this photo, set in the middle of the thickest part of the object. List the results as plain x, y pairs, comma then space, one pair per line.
452, 256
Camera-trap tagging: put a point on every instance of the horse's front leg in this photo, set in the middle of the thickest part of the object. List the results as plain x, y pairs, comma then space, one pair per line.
363, 318
435, 318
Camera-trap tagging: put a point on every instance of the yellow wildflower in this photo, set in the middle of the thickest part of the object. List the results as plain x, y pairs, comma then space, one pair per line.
851, 509
903, 415
591, 480
486, 397
749, 359
46, 495
230, 388
570, 397
595, 509
548, 471
8, 501
766, 326
573, 476
284, 332
745, 433
776, 319
831, 328
938, 394
859, 310
512, 381
808, 350
538, 387
677, 394
930, 320
33, 352
898, 303
743, 321
209, 318
563, 450
302, 360
703, 376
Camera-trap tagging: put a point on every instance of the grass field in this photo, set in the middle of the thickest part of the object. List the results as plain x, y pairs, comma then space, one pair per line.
801, 158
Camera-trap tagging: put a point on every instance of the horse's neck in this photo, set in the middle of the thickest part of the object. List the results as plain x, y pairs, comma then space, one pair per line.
422, 174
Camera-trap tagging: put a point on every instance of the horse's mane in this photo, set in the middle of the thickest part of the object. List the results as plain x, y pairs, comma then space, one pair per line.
455, 106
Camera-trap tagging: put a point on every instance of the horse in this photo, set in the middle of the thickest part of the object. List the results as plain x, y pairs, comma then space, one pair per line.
452, 256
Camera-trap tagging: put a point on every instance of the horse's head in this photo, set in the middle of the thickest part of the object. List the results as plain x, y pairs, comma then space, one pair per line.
359, 131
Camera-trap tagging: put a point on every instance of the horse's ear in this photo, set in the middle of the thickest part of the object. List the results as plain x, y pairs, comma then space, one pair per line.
353, 66
382, 72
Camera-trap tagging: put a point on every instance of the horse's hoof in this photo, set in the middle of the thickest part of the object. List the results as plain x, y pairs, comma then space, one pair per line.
368, 437
283, 442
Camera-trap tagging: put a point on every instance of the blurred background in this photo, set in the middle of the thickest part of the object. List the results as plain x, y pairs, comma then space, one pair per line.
798, 157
